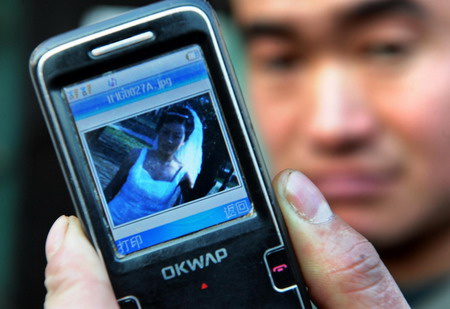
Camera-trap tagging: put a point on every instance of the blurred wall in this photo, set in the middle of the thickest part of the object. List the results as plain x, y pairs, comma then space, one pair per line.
12, 74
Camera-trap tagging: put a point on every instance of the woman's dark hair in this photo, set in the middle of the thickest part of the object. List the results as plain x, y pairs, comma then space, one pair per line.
177, 114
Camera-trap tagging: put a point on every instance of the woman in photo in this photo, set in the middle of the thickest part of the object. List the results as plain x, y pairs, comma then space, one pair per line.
154, 179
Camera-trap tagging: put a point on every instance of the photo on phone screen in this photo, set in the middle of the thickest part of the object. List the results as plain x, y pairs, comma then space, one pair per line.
158, 149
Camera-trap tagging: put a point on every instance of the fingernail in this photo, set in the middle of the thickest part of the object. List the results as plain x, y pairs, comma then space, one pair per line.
56, 236
307, 201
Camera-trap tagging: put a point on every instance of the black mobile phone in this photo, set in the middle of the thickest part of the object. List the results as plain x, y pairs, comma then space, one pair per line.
162, 164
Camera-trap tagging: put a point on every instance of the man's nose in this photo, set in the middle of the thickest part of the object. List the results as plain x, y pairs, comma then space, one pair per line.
341, 118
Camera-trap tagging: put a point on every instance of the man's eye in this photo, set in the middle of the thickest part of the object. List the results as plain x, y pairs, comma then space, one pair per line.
386, 50
283, 63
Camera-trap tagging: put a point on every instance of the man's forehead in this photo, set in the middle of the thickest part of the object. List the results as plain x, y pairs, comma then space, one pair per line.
326, 18
312, 10
249, 8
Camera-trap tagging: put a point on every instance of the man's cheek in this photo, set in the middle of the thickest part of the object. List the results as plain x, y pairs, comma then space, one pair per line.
276, 125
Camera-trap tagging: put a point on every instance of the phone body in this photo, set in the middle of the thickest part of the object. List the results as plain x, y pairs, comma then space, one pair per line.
198, 229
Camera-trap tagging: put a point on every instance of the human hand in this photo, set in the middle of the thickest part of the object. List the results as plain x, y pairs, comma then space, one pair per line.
340, 267
75, 276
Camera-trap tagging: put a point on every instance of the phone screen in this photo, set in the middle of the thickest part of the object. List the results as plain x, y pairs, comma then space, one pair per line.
159, 150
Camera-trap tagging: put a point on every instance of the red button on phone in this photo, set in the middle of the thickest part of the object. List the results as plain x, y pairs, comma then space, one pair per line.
279, 269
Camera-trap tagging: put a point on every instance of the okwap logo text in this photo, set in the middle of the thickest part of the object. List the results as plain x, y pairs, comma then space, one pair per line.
194, 264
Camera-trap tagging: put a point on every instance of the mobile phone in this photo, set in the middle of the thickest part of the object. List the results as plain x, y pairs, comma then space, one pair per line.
162, 163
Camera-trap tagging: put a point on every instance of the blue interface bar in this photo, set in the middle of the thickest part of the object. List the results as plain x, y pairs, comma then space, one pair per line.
184, 226
139, 90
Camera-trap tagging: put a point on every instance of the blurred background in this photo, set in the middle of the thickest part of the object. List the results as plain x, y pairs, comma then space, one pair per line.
32, 190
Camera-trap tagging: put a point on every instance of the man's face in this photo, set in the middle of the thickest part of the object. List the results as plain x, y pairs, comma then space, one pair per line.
356, 94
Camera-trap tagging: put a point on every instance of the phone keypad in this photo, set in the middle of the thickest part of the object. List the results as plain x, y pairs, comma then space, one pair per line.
279, 270
129, 302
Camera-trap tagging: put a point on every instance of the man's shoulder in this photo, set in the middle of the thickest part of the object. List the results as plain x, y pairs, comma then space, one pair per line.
432, 295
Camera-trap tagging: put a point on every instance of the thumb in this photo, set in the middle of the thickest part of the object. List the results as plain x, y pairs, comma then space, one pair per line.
341, 268
75, 276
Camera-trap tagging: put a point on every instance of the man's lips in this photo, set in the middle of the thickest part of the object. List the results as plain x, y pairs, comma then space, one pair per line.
353, 185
